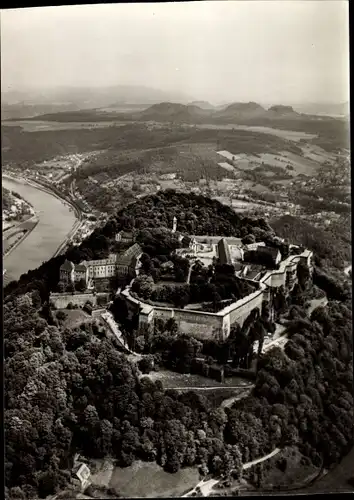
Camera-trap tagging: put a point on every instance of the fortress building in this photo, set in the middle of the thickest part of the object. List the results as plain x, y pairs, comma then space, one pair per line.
125, 264
266, 282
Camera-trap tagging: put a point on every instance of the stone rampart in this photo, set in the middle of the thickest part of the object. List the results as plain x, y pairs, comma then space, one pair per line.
206, 325
201, 324
62, 300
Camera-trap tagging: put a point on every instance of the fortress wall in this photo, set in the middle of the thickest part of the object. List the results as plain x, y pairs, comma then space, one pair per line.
61, 300
199, 325
96, 313
239, 314
208, 325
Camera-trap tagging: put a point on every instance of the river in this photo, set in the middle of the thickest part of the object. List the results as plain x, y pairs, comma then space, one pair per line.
56, 219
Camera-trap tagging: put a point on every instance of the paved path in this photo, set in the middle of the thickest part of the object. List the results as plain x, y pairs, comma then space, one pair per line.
227, 403
213, 388
262, 459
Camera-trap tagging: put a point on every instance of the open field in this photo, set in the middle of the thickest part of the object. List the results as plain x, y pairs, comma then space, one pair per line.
145, 479
75, 317
42, 126
297, 472
301, 164
284, 134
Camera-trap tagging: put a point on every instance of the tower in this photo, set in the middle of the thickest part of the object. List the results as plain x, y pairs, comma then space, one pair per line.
174, 228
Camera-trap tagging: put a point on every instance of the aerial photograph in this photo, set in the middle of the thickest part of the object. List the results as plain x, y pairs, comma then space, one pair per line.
177, 250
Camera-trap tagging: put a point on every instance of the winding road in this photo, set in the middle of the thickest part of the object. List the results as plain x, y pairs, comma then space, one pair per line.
206, 486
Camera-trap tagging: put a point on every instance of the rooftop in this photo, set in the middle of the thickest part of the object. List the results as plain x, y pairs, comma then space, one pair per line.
268, 250
81, 267
129, 255
67, 266
224, 252
126, 234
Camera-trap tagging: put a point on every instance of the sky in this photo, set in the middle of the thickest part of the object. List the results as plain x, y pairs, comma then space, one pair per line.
288, 51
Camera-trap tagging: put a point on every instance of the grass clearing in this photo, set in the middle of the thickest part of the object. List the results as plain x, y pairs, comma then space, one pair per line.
337, 479
75, 317
298, 470
173, 380
147, 480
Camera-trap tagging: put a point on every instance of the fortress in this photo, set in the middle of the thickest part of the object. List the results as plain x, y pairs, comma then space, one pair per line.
124, 264
208, 249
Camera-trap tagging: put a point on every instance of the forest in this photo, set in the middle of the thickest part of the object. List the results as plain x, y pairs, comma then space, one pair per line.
72, 390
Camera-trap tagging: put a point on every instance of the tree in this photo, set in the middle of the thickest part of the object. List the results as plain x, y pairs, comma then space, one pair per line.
146, 364
80, 286
61, 316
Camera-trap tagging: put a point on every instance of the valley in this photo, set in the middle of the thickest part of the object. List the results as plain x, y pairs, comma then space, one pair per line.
260, 169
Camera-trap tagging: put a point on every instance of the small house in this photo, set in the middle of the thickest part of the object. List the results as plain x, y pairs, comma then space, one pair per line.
80, 475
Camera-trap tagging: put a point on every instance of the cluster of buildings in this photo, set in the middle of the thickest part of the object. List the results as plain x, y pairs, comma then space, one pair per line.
267, 280
124, 264
14, 212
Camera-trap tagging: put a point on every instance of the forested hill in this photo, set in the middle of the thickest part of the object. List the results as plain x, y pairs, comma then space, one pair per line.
196, 215
70, 390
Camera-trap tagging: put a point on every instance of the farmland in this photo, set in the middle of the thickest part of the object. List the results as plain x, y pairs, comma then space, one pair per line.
43, 126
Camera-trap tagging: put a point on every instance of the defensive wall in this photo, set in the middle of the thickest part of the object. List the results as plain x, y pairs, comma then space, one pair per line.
277, 278
205, 325
200, 324
62, 300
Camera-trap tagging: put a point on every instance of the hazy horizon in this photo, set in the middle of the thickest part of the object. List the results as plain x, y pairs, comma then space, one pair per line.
268, 52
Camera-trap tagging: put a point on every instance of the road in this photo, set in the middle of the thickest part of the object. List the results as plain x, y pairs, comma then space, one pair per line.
109, 320
347, 270
217, 387
207, 486
227, 403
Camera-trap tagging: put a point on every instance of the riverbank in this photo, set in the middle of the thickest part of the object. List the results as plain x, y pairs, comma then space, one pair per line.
56, 193
57, 220
27, 233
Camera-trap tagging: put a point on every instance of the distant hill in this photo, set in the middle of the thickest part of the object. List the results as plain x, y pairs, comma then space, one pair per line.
22, 104
241, 110
328, 109
202, 104
332, 131
170, 111
22, 111
281, 110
